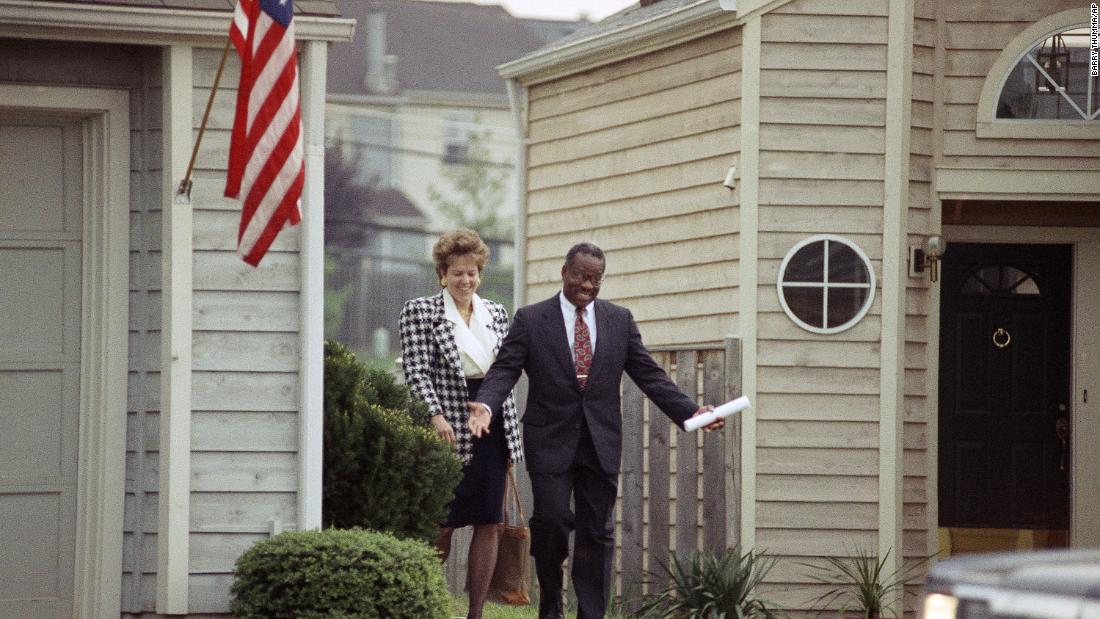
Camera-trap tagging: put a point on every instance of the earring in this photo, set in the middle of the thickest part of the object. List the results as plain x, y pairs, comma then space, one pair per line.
443, 282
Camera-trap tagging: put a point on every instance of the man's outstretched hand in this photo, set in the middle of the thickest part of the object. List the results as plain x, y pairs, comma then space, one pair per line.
479, 418
718, 423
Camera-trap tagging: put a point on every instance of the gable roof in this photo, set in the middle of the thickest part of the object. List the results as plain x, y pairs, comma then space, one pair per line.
627, 17
550, 30
440, 46
634, 31
390, 202
319, 8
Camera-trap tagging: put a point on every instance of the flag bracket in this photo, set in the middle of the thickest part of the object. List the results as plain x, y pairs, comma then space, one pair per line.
183, 191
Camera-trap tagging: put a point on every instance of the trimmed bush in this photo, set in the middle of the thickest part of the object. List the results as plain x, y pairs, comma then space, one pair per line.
345, 574
382, 471
347, 379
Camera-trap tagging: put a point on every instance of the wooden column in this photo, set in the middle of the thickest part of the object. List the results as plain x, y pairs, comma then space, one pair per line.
174, 520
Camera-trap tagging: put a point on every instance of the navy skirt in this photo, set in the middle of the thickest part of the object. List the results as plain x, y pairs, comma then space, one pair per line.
479, 497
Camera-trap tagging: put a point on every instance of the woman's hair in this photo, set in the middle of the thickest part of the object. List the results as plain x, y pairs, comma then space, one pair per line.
461, 242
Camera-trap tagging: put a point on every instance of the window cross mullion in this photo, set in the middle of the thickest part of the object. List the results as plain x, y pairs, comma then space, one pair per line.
1058, 88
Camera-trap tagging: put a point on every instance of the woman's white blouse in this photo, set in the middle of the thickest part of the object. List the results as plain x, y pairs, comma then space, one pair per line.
476, 342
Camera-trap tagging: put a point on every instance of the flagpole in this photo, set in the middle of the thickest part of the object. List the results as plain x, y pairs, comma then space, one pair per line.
183, 192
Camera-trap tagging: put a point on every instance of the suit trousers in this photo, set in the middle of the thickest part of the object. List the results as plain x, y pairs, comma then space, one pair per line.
593, 493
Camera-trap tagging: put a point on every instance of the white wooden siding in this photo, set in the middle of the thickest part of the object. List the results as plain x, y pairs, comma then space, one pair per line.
244, 431
140, 513
631, 157
822, 157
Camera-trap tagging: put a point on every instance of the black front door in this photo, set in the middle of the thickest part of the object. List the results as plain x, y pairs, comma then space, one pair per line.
1004, 386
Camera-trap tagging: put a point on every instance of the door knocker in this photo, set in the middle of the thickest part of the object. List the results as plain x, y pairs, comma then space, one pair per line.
1001, 338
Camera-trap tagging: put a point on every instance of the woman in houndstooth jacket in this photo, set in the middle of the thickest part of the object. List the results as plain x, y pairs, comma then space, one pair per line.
448, 342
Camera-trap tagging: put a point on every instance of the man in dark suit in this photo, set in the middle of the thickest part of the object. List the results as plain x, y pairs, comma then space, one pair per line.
575, 349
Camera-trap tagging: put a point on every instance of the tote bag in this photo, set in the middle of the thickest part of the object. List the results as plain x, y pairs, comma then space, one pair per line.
512, 576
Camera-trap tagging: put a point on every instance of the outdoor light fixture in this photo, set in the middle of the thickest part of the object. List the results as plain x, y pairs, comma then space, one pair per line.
1052, 65
927, 257
730, 181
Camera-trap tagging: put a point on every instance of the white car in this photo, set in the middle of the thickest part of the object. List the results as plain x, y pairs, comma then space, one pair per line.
1063, 584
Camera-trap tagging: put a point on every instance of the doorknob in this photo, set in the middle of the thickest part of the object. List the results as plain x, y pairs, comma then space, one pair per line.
1061, 430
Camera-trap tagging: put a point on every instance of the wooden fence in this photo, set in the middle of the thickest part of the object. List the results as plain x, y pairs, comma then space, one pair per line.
679, 492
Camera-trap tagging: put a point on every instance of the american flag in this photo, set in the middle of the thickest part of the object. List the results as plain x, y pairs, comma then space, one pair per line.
265, 153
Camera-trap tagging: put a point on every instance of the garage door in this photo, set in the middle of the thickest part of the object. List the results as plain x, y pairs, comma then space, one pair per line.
41, 188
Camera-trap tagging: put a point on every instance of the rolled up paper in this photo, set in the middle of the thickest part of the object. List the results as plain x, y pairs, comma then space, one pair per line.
723, 411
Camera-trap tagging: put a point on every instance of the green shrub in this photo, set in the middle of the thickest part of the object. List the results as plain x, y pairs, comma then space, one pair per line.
713, 585
348, 379
861, 583
382, 471
346, 574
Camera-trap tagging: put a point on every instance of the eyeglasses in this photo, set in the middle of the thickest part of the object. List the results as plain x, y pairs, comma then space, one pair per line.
578, 278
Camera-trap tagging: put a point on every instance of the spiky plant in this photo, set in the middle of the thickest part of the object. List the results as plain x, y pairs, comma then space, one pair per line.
713, 586
859, 583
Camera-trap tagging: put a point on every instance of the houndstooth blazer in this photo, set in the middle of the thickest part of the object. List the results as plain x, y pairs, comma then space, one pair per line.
433, 369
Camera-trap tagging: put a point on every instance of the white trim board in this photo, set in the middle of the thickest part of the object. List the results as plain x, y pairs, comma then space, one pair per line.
1084, 479
174, 480
518, 95
749, 269
1080, 183
104, 349
23, 19
312, 259
895, 227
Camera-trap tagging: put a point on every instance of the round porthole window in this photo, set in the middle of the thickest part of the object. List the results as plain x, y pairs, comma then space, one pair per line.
826, 284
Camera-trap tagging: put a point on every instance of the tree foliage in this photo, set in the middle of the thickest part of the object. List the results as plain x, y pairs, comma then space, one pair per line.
477, 190
347, 198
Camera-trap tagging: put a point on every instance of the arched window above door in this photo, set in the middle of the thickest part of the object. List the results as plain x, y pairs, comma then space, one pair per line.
1041, 85
1000, 280
1052, 81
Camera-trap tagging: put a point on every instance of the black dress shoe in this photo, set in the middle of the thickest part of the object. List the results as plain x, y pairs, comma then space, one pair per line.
551, 613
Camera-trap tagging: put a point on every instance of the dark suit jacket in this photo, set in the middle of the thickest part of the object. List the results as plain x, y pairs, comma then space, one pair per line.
537, 344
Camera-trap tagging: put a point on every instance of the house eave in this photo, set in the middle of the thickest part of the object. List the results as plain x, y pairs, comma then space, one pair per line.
498, 100
690, 22
25, 19
427, 98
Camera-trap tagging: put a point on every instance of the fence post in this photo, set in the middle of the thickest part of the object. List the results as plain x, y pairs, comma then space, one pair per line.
733, 443
632, 535
687, 495
658, 528
714, 456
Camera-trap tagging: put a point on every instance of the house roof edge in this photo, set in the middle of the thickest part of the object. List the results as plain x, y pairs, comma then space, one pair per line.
663, 30
136, 24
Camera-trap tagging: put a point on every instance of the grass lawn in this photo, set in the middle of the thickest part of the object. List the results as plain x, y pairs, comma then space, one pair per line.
531, 611
498, 611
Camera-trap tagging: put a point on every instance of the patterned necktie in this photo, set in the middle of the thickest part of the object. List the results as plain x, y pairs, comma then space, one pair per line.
582, 349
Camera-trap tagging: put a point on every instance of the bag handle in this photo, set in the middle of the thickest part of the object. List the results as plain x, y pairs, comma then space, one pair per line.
513, 491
